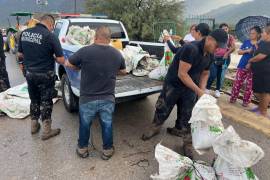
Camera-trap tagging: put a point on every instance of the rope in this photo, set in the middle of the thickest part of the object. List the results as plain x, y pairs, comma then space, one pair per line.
197, 171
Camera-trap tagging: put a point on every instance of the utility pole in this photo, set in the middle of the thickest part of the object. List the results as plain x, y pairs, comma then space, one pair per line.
42, 4
75, 6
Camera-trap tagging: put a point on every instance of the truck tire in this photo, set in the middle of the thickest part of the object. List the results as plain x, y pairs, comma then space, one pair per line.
71, 102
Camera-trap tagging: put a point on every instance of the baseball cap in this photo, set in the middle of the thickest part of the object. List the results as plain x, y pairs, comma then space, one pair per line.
221, 37
203, 28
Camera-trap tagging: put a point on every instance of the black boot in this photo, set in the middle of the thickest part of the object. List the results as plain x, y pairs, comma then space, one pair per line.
187, 146
151, 131
178, 132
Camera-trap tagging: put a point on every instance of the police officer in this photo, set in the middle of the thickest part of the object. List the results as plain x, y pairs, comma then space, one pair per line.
4, 81
38, 48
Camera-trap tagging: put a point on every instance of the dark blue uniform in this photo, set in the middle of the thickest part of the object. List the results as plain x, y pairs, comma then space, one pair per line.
39, 45
4, 81
175, 92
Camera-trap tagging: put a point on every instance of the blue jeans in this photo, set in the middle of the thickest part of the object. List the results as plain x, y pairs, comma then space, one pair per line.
224, 71
215, 73
87, 113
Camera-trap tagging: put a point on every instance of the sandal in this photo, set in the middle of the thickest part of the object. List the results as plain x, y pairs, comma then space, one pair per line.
255, 110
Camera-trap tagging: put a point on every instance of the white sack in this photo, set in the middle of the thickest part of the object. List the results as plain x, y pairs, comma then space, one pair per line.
238, 152
227, 171
206, 124
80, 35
159, 73
173, 166
15, 102
138, 61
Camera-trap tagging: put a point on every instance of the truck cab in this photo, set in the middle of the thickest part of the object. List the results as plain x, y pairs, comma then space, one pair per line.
127, 87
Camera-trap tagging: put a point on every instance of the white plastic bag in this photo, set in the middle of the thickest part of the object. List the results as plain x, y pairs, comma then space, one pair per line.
165, 32
15, 102
148, 64
204, 134
206, 124
140, 72
159, 73
132, 56
173, 166
238, 152
206, 109
227, 171
80, 35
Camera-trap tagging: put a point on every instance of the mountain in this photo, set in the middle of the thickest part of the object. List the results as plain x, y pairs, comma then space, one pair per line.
9, 6
233, 13
223, 10
198, 7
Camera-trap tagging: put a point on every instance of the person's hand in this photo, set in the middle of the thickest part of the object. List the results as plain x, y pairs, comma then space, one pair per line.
226, 56
176, 38
21, 67
66, 63
248, 66
256, 46
249, 50
200, 93
166, 38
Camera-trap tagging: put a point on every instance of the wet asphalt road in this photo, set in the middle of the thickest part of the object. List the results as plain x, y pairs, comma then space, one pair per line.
23, 156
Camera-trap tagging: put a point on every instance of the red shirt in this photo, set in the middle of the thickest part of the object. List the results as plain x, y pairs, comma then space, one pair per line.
220, 52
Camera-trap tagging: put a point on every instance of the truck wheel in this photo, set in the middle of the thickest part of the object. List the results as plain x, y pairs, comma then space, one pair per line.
71, 102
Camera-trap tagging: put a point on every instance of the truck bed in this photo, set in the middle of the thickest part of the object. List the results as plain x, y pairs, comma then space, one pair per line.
132, 86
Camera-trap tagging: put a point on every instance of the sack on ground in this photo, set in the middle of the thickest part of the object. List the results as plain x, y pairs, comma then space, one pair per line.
227, 171
238, 152
173, 166
15, 102
206, 124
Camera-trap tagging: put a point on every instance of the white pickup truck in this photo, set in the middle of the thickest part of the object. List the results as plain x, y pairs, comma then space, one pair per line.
127, 87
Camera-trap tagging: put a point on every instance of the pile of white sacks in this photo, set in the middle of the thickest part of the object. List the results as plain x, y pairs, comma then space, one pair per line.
15, 101
235, 156
80, 35
138, 61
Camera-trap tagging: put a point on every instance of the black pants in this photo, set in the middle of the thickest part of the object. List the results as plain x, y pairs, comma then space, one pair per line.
4, 81
41, 89
184, 99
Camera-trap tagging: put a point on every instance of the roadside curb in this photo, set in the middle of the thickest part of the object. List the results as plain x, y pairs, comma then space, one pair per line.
243, 116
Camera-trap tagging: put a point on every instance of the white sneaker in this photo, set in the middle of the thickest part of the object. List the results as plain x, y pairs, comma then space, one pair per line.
207, 91
217, 94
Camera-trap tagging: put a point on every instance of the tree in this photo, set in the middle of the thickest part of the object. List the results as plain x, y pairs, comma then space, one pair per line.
138, 16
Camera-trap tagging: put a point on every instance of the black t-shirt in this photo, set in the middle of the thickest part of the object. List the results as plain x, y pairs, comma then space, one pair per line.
99, 67
39, 45
192, 53
264, 65
2, 53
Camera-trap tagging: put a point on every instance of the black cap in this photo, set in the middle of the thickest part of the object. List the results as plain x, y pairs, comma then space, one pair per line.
203, 28
221, 37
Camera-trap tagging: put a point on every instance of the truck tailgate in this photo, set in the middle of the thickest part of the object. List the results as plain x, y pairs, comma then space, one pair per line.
132, 86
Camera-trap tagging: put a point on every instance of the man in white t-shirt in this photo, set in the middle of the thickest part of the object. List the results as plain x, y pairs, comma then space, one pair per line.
190, 37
